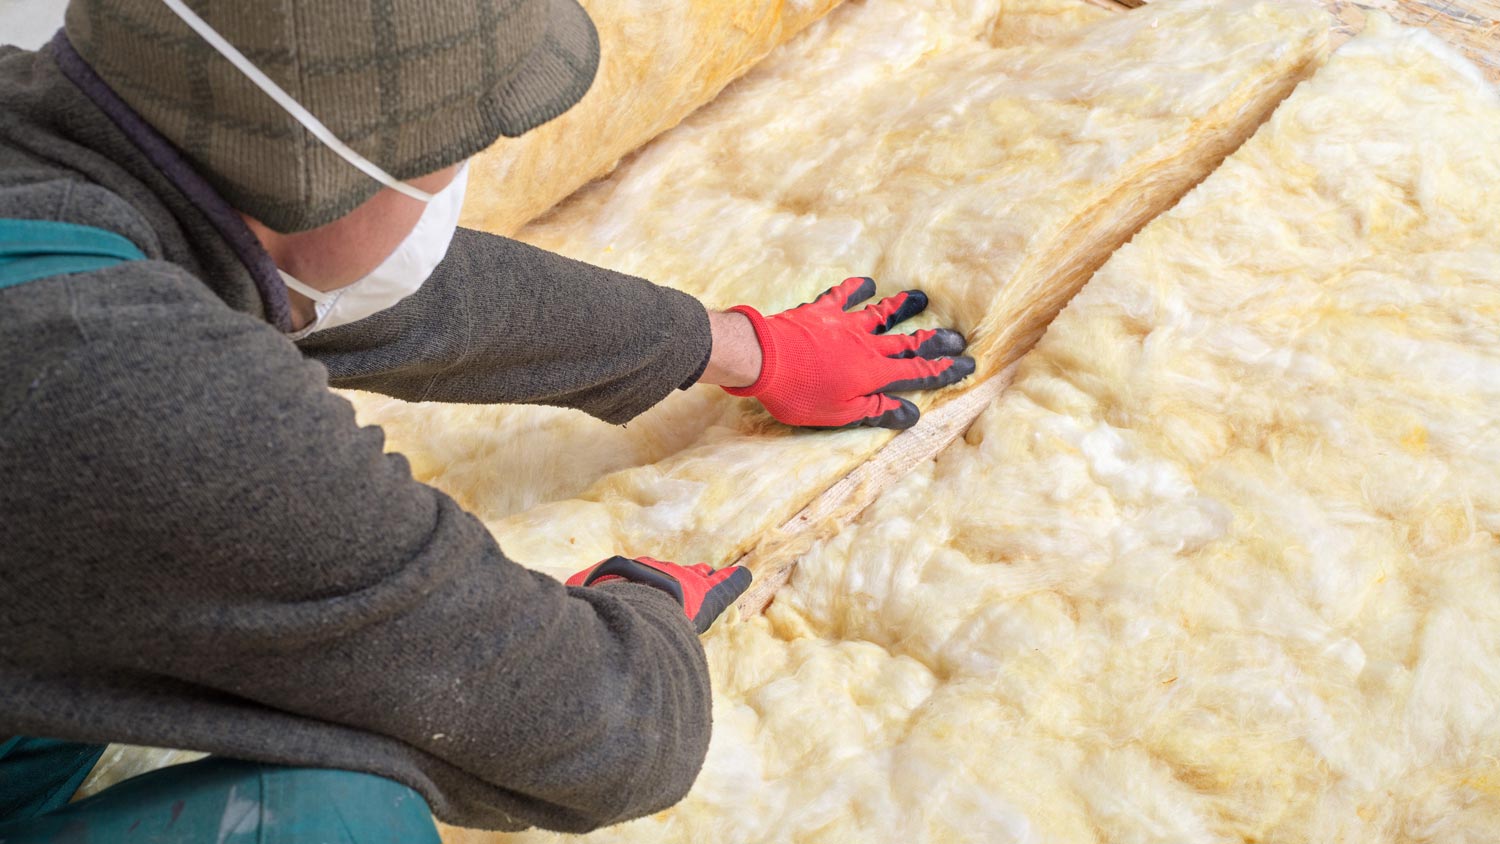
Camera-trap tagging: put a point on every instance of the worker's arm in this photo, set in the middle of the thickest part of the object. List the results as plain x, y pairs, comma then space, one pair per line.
736, 358
504, 322
216, 556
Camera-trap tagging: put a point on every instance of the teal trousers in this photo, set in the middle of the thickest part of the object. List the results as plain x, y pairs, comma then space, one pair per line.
228, 801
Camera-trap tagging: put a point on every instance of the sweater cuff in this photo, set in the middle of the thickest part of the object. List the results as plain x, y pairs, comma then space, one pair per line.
702, 367
684, 343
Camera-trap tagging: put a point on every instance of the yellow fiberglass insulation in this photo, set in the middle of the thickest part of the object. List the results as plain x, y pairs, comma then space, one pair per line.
545, 454
658, 60
896, 141
1223, 563
549, 454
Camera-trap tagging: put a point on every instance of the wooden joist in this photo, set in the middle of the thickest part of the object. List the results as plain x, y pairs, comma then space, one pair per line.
1472, 26
774, 558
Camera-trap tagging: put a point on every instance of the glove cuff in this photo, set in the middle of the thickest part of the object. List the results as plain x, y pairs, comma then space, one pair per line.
769, 359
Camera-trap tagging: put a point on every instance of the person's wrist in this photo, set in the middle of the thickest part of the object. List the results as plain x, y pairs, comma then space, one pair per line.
736, 358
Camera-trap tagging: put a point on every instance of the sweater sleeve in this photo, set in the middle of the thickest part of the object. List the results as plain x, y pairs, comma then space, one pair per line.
504, 322
247, 561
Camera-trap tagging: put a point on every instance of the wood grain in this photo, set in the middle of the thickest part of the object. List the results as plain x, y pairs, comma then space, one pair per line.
1472, 26
773, 559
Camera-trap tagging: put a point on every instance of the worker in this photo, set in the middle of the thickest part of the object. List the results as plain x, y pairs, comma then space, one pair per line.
211, 213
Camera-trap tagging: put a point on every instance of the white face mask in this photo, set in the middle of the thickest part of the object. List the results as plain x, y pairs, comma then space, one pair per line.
401, 274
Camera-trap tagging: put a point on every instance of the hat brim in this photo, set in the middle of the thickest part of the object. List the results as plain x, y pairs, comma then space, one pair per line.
555, 75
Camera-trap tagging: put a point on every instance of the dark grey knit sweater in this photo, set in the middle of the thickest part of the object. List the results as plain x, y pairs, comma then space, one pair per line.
199, 548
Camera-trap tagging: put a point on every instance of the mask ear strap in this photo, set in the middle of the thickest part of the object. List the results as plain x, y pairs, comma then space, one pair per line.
292, 107
319, 296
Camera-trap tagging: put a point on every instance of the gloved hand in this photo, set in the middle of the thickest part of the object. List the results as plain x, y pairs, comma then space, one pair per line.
824, 366
704, 593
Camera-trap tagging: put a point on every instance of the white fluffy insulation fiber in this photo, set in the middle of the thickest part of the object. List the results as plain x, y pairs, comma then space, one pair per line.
662, 216
503, 460
893, 139
1221, 566
659, 60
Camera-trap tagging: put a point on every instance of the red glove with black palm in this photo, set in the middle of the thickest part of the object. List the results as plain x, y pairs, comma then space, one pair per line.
824, 366
704, 593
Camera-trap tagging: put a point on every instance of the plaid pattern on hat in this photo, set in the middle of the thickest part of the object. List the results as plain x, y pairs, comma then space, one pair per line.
413, 85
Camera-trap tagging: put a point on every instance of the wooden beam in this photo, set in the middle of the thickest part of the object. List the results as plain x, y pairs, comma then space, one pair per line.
1471, 26
773, 559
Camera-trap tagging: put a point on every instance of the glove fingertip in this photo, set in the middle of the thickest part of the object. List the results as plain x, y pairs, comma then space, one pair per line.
902, 415
931, 344
718, 599
944, 342
913, 302
928, 374
739, 580
862, 291
847, 293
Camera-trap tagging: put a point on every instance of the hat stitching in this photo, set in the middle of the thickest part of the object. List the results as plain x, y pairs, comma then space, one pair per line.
173, 38
387, 73
304, 161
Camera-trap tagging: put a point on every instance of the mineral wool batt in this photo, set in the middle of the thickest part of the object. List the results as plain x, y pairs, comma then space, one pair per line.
1222, 565
545, 454
659, 60
896, 140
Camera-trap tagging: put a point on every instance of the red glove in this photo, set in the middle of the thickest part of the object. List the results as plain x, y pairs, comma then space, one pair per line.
824, 366
703, 592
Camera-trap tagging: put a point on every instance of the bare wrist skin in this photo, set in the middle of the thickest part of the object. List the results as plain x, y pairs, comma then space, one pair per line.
735, 359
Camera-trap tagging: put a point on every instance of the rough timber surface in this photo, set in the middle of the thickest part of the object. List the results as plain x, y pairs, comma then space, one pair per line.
775, 557
1472, 26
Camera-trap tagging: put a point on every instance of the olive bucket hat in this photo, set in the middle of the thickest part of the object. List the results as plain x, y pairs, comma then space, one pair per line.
411, 85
